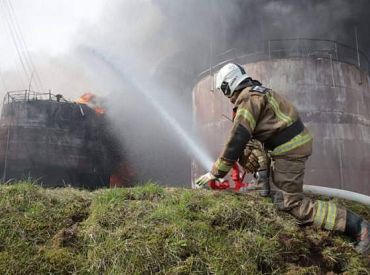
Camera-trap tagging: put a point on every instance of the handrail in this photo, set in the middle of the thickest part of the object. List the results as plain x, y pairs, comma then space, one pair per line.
29, 95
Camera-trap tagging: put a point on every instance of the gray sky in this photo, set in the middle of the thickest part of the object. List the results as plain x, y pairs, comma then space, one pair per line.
48, 26
49, 29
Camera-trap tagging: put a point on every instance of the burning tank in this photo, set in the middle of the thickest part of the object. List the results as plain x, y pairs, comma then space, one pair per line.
56, 142
327, 81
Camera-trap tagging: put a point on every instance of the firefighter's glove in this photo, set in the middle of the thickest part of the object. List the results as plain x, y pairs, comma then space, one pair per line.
203, 181
252, 165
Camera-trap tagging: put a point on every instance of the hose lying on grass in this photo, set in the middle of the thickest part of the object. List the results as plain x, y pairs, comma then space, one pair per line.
338, 193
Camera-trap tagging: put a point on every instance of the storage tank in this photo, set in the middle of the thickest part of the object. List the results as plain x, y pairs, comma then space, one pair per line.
54, 141
329, 84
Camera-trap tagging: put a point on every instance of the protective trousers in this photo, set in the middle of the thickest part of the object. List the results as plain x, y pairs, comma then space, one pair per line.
287, 193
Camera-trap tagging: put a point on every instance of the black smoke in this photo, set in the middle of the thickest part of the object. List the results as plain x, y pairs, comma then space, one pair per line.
209, 27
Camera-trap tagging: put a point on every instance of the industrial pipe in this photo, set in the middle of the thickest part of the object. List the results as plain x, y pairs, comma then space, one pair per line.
332, 192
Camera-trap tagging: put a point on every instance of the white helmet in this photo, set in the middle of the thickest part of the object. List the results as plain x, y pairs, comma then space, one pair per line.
229, 77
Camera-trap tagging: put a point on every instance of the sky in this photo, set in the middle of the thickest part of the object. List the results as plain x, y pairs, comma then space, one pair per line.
49, 29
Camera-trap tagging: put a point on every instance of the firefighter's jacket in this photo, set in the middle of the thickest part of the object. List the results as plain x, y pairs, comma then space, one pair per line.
264, 115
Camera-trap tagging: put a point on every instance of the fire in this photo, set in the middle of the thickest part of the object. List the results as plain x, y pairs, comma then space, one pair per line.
92, 101
123, 176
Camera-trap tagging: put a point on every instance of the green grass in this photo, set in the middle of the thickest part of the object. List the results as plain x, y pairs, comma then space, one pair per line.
149, 229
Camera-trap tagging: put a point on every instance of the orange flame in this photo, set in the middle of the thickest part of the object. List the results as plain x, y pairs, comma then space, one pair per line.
90, 100
124, 175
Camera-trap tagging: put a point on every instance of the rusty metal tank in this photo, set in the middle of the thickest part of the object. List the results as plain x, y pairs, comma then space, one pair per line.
332, 94
54, 141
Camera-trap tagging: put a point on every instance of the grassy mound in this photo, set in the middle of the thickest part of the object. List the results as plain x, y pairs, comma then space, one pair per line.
149, 229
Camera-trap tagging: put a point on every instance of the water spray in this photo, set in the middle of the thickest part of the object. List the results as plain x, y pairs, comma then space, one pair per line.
204, 159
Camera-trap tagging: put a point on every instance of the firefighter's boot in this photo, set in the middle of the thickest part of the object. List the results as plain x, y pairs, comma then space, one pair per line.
263, 183
363, 245
359, 229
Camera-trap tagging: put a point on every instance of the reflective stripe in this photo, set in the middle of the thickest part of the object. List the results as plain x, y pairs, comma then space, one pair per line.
222, 166
244, 113
292, 144
275, 106
332, 215
320, 213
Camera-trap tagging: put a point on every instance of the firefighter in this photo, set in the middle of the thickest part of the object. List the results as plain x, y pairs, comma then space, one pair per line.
267, 116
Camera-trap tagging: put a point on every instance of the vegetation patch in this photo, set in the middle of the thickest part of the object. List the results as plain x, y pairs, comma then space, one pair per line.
149, 229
